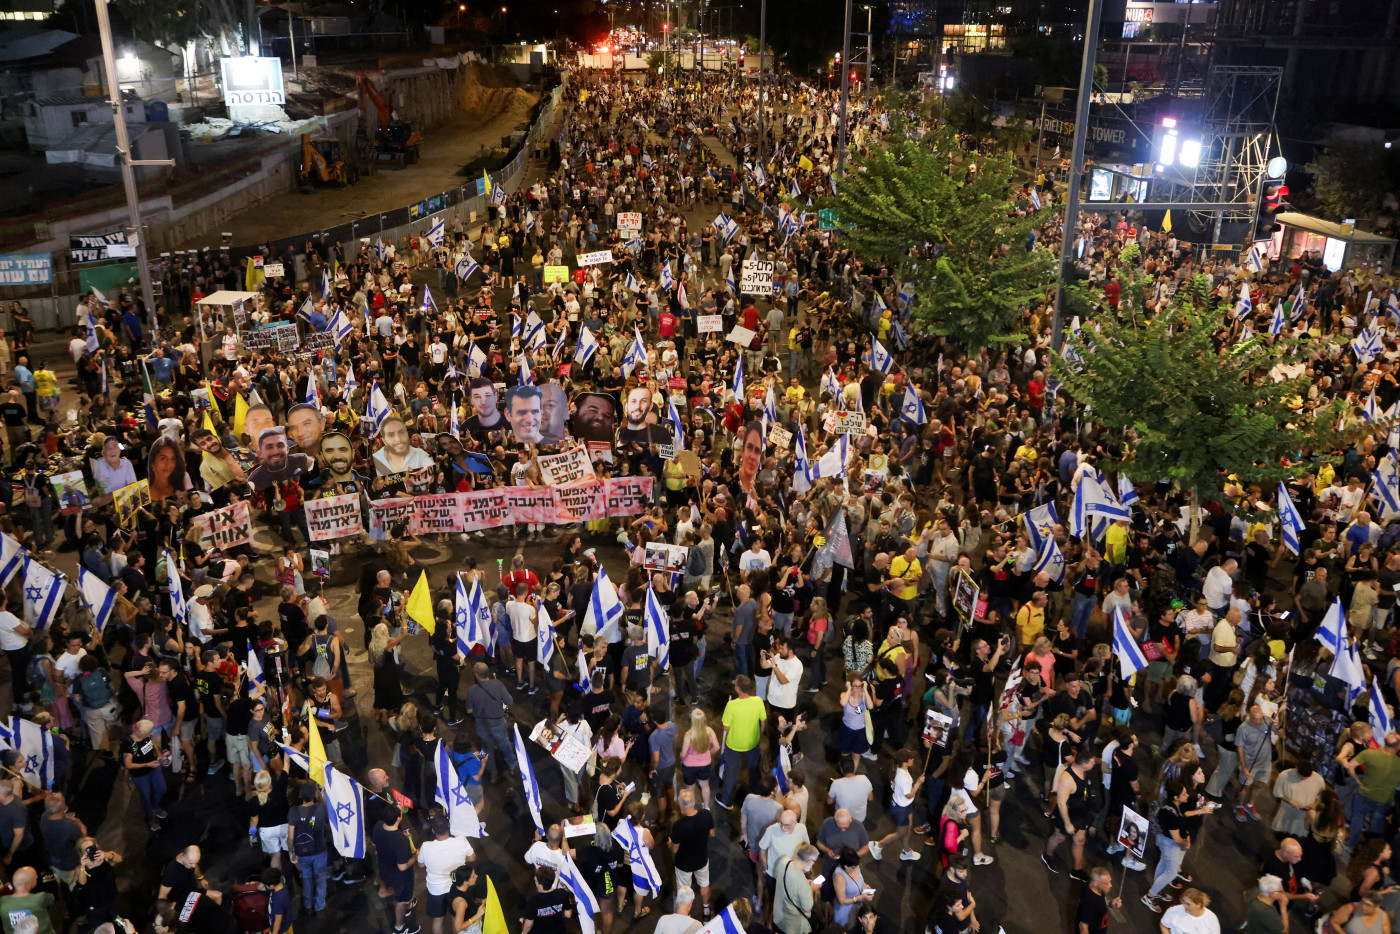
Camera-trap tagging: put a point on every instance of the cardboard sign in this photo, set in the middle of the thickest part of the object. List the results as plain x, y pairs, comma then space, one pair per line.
569, 467
741, 336
668, 451
226, 528
333, 517
659, 556
629, 221
273, 270
756, 277
709, 324
850, 423
676, 383
126, 500
556, 274
596, 258
779, 436
565, 747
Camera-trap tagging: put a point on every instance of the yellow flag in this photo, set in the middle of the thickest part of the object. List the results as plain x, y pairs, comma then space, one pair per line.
315, 751
253, 276
209, 423
240, 415
420, 604
485, 183
1167, 222
804, 163
495, 920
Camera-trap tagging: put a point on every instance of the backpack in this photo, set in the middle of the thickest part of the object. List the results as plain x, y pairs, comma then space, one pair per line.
321, 657
250, 904
34, 671
307, 833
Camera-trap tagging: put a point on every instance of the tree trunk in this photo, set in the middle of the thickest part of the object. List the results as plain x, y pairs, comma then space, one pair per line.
1195, 518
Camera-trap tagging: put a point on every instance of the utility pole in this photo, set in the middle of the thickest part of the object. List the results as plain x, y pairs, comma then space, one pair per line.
762, 82
845, 92
292, 38
1076, 168
869, 50
133, 198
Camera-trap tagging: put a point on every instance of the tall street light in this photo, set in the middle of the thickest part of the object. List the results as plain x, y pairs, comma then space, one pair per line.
762, 103
845, 92
869, 48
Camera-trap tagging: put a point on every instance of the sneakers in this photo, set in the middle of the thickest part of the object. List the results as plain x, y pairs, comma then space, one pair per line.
1241, 814
160, 814
721, 803
1049, 865
869, 756
923, 829
1133, 865
1152, 903
1116, 849
1079, 874
909, 855
814, 689
1253, 812
982, 859
877, 853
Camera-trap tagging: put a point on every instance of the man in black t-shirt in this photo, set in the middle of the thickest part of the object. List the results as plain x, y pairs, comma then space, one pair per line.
548, 909
690, 846
184, 705
209, 684
1091, 916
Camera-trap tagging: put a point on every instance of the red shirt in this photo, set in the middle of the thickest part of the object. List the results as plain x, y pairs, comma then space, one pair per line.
526, 577
1035, 394
751, 318
666, 324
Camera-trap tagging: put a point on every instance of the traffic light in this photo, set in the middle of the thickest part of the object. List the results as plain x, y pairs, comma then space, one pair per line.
838, 58
1273, 200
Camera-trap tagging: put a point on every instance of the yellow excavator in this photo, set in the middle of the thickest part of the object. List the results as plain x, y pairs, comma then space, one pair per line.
322, 163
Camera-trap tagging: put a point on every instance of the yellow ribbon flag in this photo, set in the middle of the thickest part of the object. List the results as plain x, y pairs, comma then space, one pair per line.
804, 163
253, 276
420, 604
485, 183
495, 920
315, 751
209, 423
1167, 222
240, 415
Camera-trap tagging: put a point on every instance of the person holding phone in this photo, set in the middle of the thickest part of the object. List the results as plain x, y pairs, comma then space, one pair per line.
95, 882
611, 797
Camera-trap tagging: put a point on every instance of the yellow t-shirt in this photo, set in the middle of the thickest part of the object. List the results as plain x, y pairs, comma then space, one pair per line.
1116, 543
910, 571
1030, 620
743, 718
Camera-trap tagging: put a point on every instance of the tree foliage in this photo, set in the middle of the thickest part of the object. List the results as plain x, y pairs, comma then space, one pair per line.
1351, 180
1176, 407
939, 216
227, 24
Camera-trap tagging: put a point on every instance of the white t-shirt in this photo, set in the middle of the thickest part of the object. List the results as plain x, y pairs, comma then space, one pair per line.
68, 663
755, 560
539, 854
438, 858
201, 621
11, 641
852, 792
785, 695
1178, 921
903, 788
522, 621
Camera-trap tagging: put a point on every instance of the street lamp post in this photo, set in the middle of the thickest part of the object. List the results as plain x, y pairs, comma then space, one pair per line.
869, 49
845, 92
762, 103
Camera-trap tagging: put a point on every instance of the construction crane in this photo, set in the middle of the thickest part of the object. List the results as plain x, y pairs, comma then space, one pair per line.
396, 139
323, 164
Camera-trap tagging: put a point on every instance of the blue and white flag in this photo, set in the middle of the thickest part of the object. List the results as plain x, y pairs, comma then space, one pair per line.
1035, 197
437, 231
586, 348
760, 177
377, 411
178, 612
465, 267
326, 292
1051, 562
476, 361
913, 408
678, 427
731, 282
480, 632
739, 379
1370, 410
585, 673
1289, 519
901, 340
726, 922
1392, 305
801, 471
340, 327
1332, 633
1377, 712
1300, 304
833, 462
1252, 261
534, 330
517, 325
526, 377
636, 354
544, 638
587, 902
296, 757
449, 792
1367, 345
658, 628
43, 592
880, 358
604, 609
559, 343
11, 558
644, 874
1278, 320
786, 222
796, 191
462, 614
1040, 524
1131, 660
345, 805
93, 344
1387, 478
428, 302
1127, 492
527, 780
667, 280
350, 383
498, 193
770, 405
380, 250
313, 392
1244, 306
1091, 500
631, 283
634, 246
35, 744
1347, 668
97, 597
830, 384
254, 669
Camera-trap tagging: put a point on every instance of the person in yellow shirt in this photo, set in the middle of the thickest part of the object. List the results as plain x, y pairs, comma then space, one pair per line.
1025, 452
903, 582
1030, 619
795, 393
1115, 550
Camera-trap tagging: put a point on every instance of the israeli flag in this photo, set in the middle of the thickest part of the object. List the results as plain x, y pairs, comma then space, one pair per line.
11, 557
35, 744
437, 232
634, 246
345, 805
527, 780
731, 282
1252, 262
449, 792
913, 408
1333, 631
583, 895
254, 669
380, 250
880, 358
631, 283
739, 379
313, 393
658, 627
604, 609
786, 222
770, 405
178, 613
1130, 657
462, 610
1392, 305
1300, 304
43, 592
677, 427
833, 462
428, 301
796, 191
1347, 668
498, 193
901, 340
1090, 500
1378, 713
877, 304
1370, 411
534, 330
101, 299
1388, 483
830, 384
517, 324
378, 410
1278, 320
93, 344
526, 377
667, 280
326, 292
1040, 524
479, 630
644, 874
561, 341
350, 383
1127, 492
1289, 519
801, 470
296, 757
97, 597
465, 267
544, 639
1035, 197
1367, 345
726, 922
476, 361
585, 676
636, 354
760, 177
726, 226
340, 327
1051, 562
586, 348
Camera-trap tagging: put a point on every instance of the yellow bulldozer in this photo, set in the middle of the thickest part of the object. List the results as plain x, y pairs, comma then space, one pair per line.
323, 163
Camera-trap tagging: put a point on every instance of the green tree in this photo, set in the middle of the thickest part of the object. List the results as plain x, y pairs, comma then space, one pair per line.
915, 203
226, 24
1351, 180
1176, 407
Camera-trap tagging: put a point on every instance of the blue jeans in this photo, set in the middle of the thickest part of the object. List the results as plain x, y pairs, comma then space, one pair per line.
499, 745
1079, 614
743, 659
313, 878
976, 720
1168, 864
782, 622
1366, 815
731, 770
151, 787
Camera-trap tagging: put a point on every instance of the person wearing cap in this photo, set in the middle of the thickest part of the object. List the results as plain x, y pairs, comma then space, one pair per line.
201, 621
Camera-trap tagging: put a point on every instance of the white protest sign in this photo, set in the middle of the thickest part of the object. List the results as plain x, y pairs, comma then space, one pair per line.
850, 423
741, 336
709, 324
756, 277
566, 748
226, 528
273, 270
629, 221
569, 467
596, 258
332, 517
779, 436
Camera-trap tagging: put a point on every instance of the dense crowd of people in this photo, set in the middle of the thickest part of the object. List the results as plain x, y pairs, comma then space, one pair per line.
802, 618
